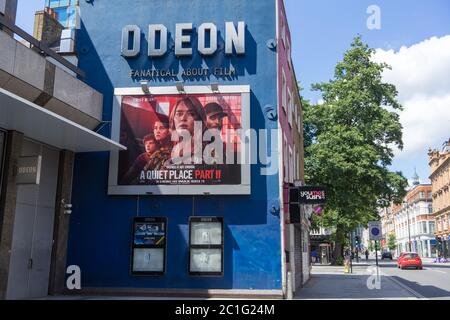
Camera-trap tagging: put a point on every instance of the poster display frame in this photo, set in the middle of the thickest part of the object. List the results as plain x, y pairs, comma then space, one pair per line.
192, 247
114, 188
135, 246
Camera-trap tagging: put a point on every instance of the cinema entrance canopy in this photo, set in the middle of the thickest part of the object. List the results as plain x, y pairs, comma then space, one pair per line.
45, 126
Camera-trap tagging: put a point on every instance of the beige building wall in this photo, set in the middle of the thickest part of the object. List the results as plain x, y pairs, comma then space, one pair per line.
439, 162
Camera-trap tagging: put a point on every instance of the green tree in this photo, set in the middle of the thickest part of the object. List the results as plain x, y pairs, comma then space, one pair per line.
371, 247
349, 140
374, 245
392, 242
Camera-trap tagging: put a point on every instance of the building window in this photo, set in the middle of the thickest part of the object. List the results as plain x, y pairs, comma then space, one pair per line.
289, 54
291, 166
285, 161
289, 108
283, 31
61, 3
430, 208
67, 12
206, 246
284, 90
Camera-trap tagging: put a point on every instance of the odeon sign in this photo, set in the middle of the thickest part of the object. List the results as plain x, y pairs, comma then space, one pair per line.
158, 34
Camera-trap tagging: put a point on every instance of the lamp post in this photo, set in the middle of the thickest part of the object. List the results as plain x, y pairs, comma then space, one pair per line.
409, 231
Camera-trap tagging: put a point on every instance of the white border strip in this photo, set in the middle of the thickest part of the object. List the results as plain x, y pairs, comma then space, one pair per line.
187, 89
114, 189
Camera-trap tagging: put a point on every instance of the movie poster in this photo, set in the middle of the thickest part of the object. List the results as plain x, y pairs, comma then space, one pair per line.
180, 139
149, 233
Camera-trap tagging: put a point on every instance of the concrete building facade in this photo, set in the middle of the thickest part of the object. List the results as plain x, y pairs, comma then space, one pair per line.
46, 115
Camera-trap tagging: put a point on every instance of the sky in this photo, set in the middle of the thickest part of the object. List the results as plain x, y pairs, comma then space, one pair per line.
414, 39
25, 13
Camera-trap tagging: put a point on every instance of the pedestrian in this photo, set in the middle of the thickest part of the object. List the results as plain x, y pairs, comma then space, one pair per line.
314, 256
367, 254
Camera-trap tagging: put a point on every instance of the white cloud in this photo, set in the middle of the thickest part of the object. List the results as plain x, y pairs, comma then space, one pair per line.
421, 74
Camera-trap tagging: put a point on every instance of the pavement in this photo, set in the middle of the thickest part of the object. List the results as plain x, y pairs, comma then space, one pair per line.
330, 282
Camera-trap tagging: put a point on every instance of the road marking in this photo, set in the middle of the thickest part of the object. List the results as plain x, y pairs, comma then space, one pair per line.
438, 271
404, 286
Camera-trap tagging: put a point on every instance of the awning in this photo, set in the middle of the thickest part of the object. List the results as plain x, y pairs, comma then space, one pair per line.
48, 127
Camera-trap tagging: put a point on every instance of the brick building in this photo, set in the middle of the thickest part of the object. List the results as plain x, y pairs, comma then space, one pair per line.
439, 162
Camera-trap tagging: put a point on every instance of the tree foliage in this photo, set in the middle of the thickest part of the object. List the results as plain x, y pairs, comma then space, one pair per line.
349, 141
392, 241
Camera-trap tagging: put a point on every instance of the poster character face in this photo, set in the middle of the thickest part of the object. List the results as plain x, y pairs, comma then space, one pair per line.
214, 116
215, 121
161, 130
184, 118
186, 112
150, 146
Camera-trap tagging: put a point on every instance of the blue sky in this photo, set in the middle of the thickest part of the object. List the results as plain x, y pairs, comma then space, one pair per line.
25, 13
322, 31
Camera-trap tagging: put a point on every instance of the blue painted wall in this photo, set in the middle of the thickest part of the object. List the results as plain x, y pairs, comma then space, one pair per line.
100, 230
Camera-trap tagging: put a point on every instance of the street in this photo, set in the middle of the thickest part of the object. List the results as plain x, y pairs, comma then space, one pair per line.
433, 282
331, 282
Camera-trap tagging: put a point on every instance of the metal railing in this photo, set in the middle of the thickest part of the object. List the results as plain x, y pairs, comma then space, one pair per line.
42, 47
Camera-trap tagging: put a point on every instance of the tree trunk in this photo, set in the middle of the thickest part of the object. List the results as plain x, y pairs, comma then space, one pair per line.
338, 251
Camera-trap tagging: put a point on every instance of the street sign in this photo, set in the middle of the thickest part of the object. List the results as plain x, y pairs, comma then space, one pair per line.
307, 195
375, 230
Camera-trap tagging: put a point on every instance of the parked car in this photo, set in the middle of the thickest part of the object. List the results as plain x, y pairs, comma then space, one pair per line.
386, 255
409, 260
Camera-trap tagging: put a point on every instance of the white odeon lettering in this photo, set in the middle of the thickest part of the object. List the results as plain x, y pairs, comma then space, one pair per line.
158, 33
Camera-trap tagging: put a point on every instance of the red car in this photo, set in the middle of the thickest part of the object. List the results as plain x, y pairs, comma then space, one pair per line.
409, 260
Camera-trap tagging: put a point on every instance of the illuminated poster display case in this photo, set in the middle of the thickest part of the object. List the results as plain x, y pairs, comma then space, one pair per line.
149, 246
148, 125
206, 246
